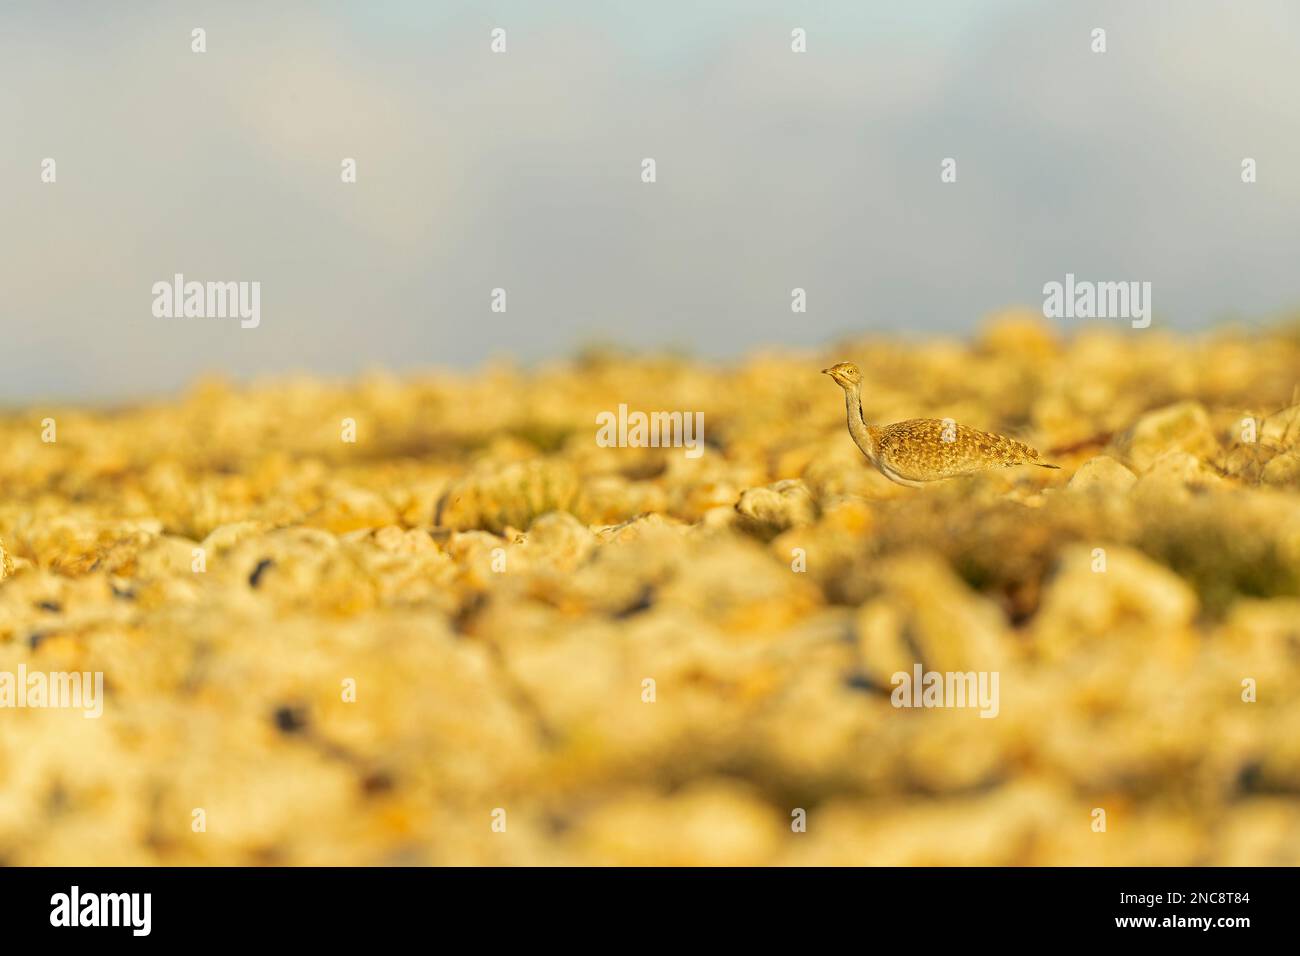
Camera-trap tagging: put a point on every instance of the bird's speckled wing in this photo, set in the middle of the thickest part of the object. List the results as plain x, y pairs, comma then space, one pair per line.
916, 449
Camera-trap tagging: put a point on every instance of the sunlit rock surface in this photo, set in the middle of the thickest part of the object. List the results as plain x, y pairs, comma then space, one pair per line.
475, 635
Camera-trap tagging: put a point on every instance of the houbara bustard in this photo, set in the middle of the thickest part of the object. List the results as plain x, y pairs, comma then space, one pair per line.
922, 450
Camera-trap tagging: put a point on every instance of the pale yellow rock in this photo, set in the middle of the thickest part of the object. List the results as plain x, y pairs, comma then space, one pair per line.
1247, 462
1264, 831
778, 507
1000, 828
832, 552
1282, 428
477, 551
349, 508
560, 539
1113, 594
1102, 475
1283, 470
636, 528
882, 641
1183, 426
395, 540
1173, 476
708, 825
736, 585
1257, 641
929, 610
611, 498
228, 535
170, 555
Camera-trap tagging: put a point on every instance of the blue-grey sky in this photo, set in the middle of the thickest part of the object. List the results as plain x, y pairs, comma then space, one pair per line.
522, 170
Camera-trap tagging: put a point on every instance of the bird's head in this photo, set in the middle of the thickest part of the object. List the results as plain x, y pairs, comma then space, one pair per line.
846, 374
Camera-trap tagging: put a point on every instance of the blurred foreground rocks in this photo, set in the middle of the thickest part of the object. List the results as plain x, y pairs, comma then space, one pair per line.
373, 651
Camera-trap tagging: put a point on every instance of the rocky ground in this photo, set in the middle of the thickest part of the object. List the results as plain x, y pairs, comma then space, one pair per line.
474, 636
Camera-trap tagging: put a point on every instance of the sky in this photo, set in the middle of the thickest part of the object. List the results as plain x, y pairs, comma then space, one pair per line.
522, 171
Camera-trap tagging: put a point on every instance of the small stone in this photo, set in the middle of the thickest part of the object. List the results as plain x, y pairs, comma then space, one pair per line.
778, 507
1110, 593
1282, 427
927, 615
1283, 471
1184, 426
395, 540
349, 509
1174, 476
709, 824
226, 536
1102, 475
559, 538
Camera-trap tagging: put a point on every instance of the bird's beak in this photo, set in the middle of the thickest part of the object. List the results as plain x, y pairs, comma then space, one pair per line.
826, 371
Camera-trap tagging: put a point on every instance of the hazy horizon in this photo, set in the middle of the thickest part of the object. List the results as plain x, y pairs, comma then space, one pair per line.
522, 170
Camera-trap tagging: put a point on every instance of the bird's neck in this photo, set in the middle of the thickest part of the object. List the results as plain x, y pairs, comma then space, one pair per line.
857, 425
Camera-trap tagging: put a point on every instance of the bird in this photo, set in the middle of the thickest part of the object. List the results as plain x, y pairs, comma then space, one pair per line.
921, 450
